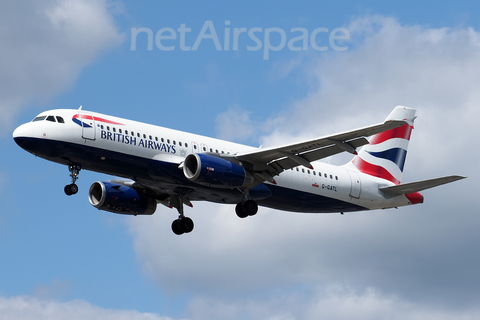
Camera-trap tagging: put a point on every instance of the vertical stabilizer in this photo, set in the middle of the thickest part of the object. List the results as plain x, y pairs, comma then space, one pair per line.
384, 157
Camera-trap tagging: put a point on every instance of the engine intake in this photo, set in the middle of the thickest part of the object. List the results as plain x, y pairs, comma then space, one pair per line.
120, 199
213, 171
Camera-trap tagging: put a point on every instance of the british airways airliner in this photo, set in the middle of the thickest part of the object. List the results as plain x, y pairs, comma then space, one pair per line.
174, 168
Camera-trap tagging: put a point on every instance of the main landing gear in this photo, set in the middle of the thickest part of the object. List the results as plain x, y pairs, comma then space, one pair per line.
74, 171
182, 224
246, 208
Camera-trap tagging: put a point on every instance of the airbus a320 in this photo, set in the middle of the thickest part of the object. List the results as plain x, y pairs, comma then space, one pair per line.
174, 168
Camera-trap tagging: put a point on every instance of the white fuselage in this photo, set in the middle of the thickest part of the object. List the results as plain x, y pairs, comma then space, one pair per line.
118, 146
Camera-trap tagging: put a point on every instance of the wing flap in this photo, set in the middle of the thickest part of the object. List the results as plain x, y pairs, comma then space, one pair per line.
412, 187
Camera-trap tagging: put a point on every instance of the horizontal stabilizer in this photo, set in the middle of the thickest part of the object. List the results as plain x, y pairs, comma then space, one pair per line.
412, 187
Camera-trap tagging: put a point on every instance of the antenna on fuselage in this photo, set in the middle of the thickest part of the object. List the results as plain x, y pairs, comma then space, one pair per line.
80, 108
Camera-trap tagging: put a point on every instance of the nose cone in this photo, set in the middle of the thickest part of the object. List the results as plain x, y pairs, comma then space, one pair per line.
23, 135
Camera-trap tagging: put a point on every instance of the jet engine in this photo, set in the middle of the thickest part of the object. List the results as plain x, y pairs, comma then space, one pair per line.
213, 171
120, 199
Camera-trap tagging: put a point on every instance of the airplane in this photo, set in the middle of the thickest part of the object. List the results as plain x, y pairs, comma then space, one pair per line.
158, 165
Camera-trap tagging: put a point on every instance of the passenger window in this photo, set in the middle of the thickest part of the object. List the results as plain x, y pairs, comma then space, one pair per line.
41, 118
168, 141
51, 118
156, 138
144, 136
331, 177
174, 142
120, 130
163, 140
180, 144
114, 130
60, 119
303, 170
101, 126
108, 128
204, 149
297, 169
138, 134
325, 175
336, 177
314, 173
150, 137
211, 150
126, 131
186, 145
133, 133
216, 150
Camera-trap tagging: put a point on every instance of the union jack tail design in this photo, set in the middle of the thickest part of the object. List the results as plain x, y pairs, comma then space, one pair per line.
385, 156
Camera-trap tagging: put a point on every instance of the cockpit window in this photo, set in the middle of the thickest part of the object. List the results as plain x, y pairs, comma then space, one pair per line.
60, 119
51, 118
39, 118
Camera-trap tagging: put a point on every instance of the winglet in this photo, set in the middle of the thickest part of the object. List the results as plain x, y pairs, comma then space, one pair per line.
403, 114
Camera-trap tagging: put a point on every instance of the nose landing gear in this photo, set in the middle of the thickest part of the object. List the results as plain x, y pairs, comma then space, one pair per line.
74, 171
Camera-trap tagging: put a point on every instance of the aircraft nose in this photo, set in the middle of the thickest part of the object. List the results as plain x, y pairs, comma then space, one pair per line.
23, 134
24, 130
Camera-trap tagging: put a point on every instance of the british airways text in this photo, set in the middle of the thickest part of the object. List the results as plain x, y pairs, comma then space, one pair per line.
145, 143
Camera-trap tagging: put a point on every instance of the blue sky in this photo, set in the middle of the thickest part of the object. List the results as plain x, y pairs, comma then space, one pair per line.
60, 255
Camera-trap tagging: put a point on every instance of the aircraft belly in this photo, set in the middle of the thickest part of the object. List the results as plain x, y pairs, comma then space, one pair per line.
299, 201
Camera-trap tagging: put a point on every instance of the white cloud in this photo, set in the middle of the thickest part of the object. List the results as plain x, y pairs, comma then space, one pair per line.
234, 124
410, 252
309, 303
24, 307
45, 45
334, 302
422, 255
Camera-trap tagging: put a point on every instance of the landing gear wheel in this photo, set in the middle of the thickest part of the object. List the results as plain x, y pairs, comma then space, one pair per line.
250, 207
73, 188
182, 225
240, 211
176, 228
70, 189
187, 224
247, 208
74, 171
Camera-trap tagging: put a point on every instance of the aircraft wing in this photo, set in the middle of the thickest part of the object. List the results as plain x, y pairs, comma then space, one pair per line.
269, 162
412, 187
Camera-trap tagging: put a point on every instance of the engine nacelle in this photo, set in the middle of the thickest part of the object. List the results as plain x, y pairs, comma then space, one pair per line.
213, 171
120, 199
